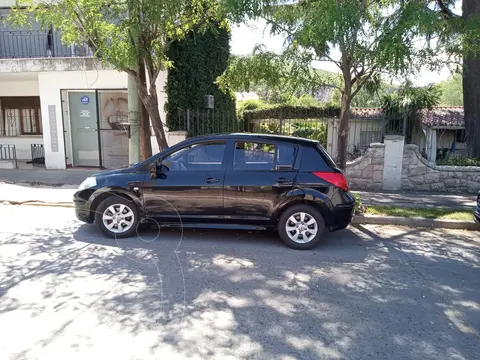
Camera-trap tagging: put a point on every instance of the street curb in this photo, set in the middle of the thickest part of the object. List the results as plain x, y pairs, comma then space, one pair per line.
36, 203
416, 222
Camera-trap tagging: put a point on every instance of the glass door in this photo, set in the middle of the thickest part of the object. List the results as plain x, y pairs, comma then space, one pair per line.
84, 128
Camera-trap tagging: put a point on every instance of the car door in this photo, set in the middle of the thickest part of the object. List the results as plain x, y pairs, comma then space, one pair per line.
258, 178
190, 183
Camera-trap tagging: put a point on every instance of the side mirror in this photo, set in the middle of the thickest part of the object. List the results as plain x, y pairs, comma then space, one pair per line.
158, 170
153, 171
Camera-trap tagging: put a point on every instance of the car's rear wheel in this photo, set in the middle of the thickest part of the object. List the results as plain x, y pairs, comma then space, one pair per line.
117, 217
301, 227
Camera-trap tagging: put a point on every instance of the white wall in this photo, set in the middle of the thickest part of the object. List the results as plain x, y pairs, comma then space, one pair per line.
7, 3
162, 95
22, 145
19, 88
445, 139
50, 85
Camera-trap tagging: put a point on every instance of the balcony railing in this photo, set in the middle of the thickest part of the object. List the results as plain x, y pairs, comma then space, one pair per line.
17, 44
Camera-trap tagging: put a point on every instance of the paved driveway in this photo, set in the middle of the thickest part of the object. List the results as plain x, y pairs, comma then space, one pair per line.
371, 292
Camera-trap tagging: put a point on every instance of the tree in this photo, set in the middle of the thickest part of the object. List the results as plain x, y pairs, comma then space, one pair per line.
131, 35
198, 60
408, 101
362, 38
452, 91
464, 33
471, 75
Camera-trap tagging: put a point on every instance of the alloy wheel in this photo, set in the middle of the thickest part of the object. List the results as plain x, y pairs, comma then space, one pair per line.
301, 227
118, 218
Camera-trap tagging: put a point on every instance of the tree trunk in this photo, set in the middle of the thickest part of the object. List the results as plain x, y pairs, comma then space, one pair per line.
344, 128
471, 86
145, 137
150, 101
152, 108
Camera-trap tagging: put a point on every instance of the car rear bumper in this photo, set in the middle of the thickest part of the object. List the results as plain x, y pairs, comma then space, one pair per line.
82, 207
342, 214
342, 217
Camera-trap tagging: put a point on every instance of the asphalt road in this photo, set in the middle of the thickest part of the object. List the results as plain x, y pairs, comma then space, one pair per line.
371, 292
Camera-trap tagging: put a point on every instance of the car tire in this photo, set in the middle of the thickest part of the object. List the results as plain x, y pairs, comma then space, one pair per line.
303, 222
115, 212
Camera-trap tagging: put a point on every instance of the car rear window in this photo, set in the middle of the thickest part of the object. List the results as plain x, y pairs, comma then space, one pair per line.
326, 156
315, 158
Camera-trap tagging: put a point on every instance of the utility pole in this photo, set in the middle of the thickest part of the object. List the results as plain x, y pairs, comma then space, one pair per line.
134, 121
133, 111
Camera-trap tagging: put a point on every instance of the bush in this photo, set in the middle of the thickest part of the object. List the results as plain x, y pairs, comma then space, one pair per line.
314, 131
284, 111
359, 207
458, 161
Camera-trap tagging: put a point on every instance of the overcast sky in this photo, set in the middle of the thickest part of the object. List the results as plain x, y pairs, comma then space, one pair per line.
246, 36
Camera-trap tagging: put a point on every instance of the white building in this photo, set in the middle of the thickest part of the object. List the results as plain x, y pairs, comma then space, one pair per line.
61, 98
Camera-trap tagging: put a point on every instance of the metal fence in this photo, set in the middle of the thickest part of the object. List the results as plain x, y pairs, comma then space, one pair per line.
8, 152
362, 131
208, 121
315, 129
38, 155
37, 44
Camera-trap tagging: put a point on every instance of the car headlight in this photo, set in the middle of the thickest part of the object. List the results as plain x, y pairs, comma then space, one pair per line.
88, 183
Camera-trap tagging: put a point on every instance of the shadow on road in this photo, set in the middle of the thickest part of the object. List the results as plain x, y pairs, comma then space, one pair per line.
364, 292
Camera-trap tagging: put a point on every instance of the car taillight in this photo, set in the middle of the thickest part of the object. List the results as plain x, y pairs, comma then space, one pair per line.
337, 179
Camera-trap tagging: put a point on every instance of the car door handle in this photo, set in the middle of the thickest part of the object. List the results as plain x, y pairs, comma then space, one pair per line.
211, 180
282, 180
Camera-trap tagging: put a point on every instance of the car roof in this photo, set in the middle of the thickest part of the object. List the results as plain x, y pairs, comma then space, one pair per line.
257, 136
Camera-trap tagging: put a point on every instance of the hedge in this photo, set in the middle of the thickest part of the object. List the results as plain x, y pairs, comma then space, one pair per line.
291, 112
198, 60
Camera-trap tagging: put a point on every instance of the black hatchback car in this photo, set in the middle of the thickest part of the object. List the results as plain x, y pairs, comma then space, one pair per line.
244, 181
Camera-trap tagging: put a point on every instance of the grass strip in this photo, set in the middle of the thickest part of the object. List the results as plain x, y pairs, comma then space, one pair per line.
430, 213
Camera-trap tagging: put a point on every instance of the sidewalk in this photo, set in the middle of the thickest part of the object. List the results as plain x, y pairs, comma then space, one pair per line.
73, 177
21, 194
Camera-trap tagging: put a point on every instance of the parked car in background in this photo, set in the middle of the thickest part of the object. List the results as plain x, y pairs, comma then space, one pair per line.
476, 213
245, 181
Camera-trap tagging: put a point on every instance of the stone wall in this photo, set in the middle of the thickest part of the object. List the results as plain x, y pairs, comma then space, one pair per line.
420, 175
366, 172
417, 173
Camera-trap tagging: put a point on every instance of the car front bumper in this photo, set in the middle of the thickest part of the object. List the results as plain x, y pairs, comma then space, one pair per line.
81, 200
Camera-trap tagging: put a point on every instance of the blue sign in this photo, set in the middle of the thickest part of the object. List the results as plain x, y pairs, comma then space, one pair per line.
85, 100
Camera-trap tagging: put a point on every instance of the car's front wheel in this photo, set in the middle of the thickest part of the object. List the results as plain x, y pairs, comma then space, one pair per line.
117, 217
301, 227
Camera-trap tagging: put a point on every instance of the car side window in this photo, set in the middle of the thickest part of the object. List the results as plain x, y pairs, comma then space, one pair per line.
253, 156
285, 156
201, 157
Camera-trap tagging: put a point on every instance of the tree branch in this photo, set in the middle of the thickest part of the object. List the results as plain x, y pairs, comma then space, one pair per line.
363, 82
447, 13
130, 72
